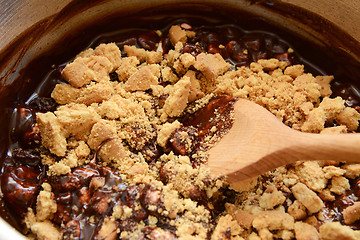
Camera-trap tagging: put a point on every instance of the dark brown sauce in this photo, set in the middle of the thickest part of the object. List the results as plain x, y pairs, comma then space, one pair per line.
237, 32
333, 210
199, 125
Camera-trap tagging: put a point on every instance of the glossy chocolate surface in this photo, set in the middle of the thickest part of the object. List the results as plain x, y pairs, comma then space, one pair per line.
22, 172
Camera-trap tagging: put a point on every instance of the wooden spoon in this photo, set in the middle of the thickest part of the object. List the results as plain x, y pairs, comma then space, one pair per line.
258, 142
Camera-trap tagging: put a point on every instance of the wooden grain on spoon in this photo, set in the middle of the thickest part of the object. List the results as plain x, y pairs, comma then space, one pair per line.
258, 142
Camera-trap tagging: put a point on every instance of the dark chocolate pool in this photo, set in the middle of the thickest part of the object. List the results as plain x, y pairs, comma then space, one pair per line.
239, 37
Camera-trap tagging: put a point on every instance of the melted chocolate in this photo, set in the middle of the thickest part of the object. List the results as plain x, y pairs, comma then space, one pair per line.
333, 210
76, 197
213, 120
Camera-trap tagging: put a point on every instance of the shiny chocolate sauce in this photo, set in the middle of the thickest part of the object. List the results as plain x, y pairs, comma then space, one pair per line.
228, 33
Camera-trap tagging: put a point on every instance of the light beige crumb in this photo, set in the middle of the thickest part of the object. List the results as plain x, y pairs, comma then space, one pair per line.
195, 88
328, 109
95, 93
84, 70
133, 51
273, 220
86, 53
352, 170
294, 71
71, 160
128, 66
138, 169
65, 93
178, 99
352, 213
304, 231
100, 132
315, 121
111, 51
45, 204
168, 75
153, 57
143, 78
349, 117
77, 120
44, 230
326, 195
307, 197
339, 185
271, 198
284, 234
113, 151
254, 236
269, 64
256, 67
332, 171
121, 108
187, 59
297, 210
334, 230
211, 65
165, 130
58, 168
52, 135
108, 230
177, 34
82, 150
265, 234
312, 175
324, 82
312, 220
244, 218
226, 224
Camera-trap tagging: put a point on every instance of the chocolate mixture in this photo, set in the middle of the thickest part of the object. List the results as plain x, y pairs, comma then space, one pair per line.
94, 201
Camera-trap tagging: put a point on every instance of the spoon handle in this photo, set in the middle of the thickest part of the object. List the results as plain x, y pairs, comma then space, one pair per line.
302, 147
309, 146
